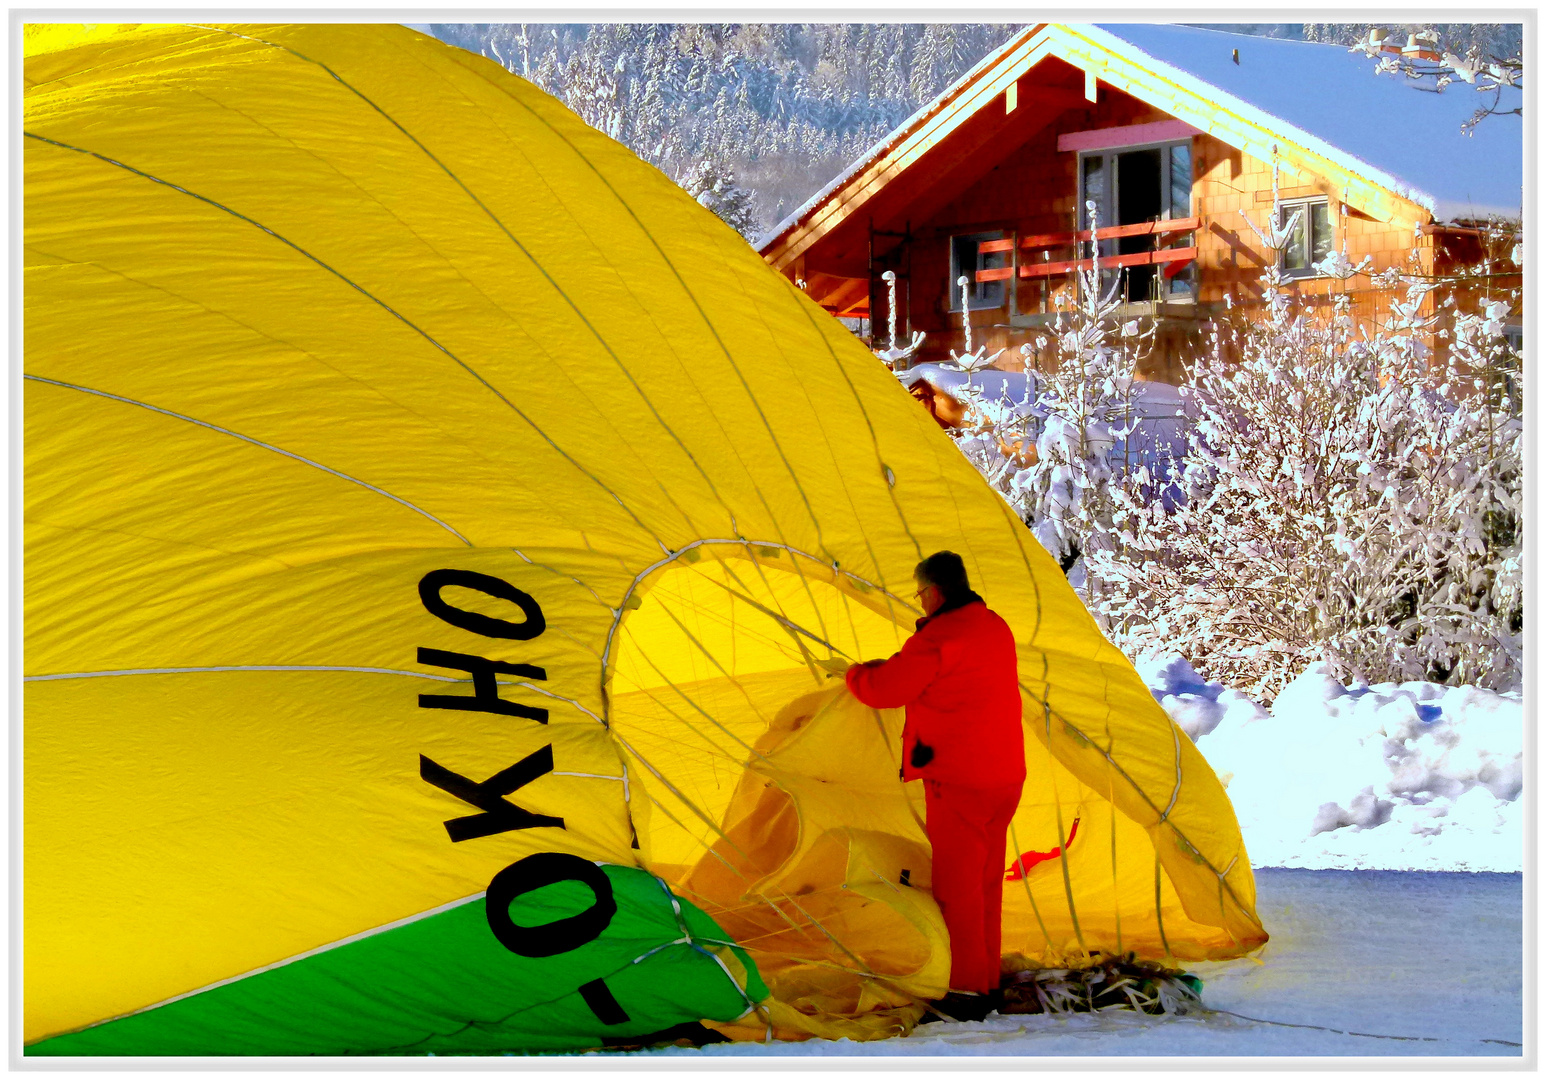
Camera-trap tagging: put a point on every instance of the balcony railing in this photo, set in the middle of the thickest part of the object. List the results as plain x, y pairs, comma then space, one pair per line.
1172, 260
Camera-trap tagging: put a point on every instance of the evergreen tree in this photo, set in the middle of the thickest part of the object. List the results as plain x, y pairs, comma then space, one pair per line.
712, 182
781, 104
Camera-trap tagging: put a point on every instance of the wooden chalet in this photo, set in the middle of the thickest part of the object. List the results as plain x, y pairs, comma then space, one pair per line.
1173, 133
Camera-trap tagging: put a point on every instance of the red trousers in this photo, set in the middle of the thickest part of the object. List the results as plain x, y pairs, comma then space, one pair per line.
967, 827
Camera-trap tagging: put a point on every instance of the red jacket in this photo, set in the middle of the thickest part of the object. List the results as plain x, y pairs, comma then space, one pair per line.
958, 676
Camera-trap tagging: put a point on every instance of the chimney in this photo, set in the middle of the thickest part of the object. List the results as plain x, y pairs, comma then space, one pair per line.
1379, 38
1421, 47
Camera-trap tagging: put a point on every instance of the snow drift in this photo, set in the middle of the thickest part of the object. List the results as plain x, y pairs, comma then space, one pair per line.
1395, 776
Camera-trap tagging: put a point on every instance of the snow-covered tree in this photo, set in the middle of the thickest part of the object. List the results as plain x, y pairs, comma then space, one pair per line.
1487, 57
786, 104
1054, 448
1085, 415
1339, 494
712, 182
897, 355
1343, 496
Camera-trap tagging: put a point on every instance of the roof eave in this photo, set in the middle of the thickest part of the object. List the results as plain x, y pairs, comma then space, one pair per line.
801, 214
1103, 46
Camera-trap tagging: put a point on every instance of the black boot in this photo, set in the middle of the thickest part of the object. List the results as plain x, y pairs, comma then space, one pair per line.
962, 1007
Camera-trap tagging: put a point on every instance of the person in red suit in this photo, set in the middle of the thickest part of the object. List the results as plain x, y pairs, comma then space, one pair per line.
958, 679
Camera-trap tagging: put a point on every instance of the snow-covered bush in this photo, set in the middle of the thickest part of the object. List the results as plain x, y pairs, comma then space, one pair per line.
1087, 408
1053, 449
1339, 494
1343, 495
897, 353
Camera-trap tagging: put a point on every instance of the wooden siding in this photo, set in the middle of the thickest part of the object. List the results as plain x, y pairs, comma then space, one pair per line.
1034, 190
1010, 177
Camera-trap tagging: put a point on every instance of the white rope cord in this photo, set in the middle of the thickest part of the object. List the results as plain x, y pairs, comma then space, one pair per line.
703, 815
681, 922
783, 620
633, 587
713, 757
681, 797
1347, 1031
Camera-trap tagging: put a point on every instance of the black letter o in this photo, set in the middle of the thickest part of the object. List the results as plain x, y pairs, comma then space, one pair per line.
561, 935
429, 592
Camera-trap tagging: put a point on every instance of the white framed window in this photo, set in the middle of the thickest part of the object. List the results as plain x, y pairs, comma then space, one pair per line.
966, 259
1310, 241
1131, 185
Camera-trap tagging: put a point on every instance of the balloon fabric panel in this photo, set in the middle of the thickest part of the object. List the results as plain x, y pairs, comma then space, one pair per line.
419, 484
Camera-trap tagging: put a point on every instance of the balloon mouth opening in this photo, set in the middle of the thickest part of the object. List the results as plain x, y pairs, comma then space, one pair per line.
769, 797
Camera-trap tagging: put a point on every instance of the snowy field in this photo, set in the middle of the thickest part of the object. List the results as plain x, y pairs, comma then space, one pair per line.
1361, 963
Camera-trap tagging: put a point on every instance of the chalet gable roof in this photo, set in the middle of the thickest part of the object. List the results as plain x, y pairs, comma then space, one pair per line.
1392, 149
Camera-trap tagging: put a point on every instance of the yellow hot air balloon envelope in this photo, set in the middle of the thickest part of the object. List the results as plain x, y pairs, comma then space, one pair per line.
434, 523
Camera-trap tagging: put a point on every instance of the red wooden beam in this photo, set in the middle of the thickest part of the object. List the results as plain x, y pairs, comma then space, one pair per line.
1002, 273
1114, 232
1131, 135
1140, 258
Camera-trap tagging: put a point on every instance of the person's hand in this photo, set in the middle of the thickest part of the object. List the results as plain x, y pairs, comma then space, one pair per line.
836, 667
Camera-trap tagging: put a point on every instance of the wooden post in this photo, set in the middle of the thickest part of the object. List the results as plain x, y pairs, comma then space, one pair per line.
869, 273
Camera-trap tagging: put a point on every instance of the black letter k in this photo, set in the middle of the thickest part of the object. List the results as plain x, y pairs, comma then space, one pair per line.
498, 816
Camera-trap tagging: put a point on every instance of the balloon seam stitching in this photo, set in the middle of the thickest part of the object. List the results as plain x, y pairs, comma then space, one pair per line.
513, 239
868, 422
330, 946
707, 322
380, 303
1144, 796
247, 667
255, 442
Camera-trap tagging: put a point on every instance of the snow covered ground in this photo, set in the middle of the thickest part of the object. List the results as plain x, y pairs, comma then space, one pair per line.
1410, 776
1366, 963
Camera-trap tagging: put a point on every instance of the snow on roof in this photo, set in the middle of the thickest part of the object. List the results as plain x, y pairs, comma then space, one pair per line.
1412, 136
1383, 126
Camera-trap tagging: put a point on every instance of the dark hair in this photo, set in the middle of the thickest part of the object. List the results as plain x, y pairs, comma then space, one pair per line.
946, 572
